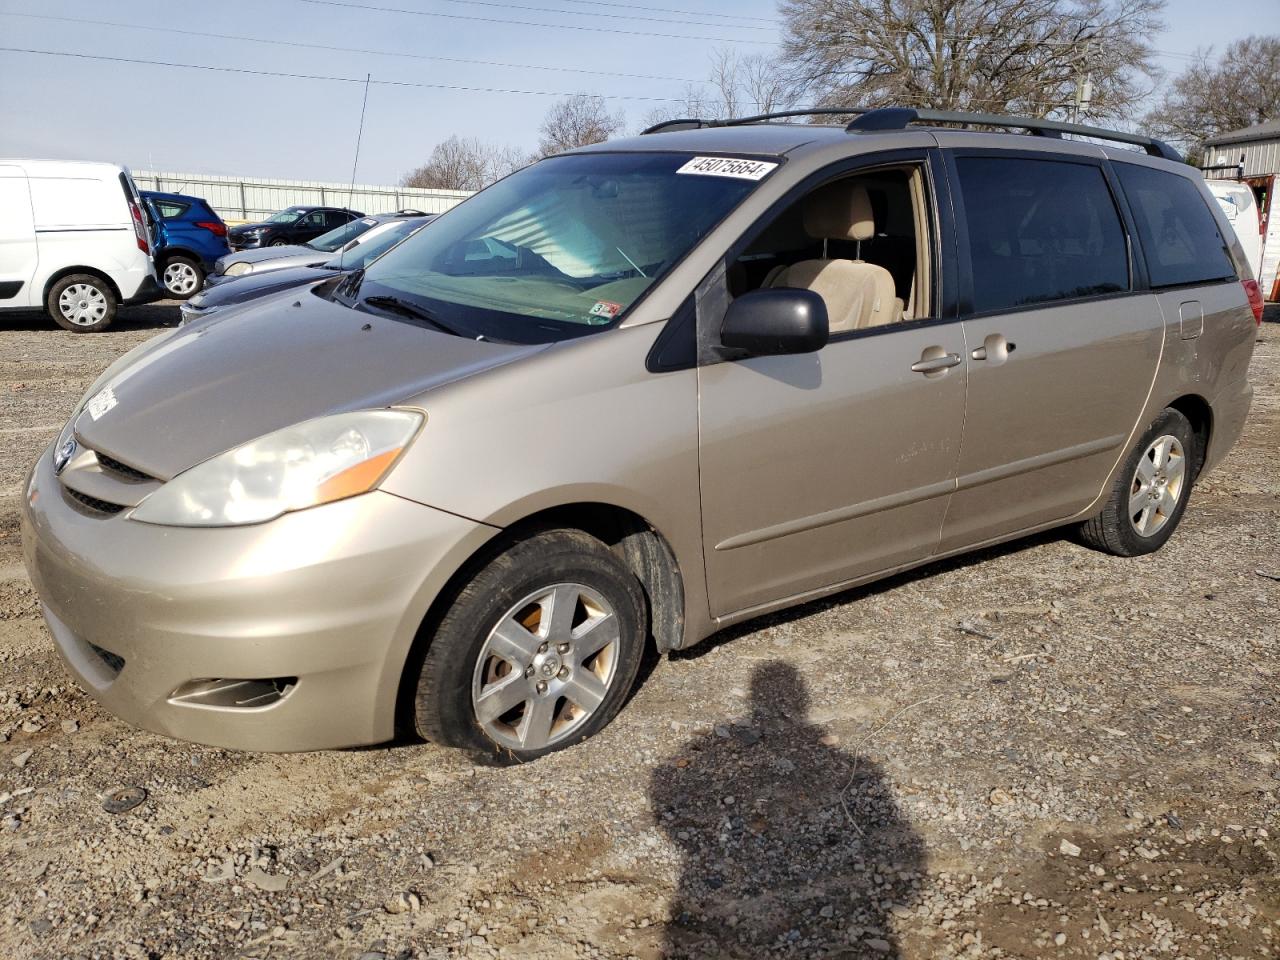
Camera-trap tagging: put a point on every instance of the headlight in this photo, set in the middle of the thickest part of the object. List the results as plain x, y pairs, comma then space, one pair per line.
302, 466
239, 269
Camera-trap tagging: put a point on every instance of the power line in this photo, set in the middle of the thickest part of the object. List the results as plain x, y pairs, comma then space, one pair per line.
202, 34
314, 76
530, 23
697, 13
609, 16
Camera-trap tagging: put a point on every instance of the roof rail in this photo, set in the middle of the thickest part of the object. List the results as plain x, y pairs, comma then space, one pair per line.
898, 118
901, 116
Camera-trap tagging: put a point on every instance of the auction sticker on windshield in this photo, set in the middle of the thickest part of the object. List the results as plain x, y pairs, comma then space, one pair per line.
728, 167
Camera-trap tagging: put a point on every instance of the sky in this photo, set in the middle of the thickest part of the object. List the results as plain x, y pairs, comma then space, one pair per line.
212, 121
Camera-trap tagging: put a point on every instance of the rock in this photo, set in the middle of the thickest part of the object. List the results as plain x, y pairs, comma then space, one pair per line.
219, 872
830, 740
1060, 939
878, 945
20, 760
999, 797
70, 726
273, 883
407, 902
1068, 849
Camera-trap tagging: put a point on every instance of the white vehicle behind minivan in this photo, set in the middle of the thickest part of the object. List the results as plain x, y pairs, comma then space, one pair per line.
73, 241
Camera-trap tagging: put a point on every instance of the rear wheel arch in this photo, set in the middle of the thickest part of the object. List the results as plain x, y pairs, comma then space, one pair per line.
640, 546
69, 271
1197, 410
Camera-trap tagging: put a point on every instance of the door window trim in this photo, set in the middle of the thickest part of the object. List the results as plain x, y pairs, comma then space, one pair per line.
1138, 284
941, 227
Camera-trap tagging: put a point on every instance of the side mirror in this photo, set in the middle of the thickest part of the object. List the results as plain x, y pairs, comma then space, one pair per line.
776, 321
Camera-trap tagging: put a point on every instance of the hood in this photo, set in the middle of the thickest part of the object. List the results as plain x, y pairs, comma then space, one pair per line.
227, 380
271, 253
255, 285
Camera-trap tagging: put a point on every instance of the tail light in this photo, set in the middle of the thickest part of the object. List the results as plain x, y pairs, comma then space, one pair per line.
1254, 294
216, 227
139, 228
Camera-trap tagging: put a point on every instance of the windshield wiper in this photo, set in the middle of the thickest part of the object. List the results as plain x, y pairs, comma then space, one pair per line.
409, 309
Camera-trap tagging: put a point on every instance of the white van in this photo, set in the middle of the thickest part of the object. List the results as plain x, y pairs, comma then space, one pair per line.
1241, 208
73, 241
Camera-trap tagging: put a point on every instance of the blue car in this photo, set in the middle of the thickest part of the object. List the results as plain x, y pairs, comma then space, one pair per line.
188, 238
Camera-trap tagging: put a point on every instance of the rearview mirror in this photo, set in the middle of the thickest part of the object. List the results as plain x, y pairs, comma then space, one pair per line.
776, 321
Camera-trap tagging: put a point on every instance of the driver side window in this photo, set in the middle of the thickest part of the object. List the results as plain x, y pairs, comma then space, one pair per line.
861, 242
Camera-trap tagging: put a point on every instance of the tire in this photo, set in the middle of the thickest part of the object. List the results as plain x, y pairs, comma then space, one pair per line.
82, 303
182, 277
1148, 497
535, 679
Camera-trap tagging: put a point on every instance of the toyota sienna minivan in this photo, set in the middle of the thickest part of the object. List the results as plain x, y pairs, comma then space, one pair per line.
623, 398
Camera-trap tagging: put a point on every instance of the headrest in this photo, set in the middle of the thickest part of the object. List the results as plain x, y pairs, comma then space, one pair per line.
839, 211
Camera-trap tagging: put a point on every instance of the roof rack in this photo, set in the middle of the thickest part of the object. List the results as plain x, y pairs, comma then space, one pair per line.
898, 118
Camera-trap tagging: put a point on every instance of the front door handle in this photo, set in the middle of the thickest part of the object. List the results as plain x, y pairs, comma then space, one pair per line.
995, 349
935, 362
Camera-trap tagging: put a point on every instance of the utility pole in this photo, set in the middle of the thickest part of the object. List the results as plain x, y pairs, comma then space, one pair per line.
1084, 85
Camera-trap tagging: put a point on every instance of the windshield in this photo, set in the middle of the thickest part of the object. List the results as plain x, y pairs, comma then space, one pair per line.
564, 246
331, 241
285, 216
364, 251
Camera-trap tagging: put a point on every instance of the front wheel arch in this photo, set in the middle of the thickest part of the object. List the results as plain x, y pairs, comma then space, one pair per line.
641, 547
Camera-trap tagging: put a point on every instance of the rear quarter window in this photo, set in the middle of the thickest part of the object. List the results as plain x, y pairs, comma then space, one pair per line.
1040, 231
169, 209
1178, 233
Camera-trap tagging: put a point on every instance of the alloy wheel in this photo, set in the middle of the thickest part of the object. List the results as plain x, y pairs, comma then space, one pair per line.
180, 277
1157, 485
546, 666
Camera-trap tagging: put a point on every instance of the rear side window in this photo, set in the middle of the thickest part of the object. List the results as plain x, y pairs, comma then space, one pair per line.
1179, 236
169, 209
1040, 231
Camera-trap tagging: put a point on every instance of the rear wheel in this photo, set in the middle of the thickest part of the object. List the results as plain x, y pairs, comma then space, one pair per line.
538, 652
1151, 491
82, 303
182, 277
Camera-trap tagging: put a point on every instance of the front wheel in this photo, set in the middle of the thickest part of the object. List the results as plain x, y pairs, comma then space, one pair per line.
182, 277
82, 303
1151, 491
538, 652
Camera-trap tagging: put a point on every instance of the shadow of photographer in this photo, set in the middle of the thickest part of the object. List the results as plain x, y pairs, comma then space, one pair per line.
791, 847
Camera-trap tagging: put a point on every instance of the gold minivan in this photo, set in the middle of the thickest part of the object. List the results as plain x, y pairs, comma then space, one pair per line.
623, 398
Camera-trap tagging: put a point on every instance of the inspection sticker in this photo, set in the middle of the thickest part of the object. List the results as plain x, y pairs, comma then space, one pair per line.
102, 401
728, 167
605, 308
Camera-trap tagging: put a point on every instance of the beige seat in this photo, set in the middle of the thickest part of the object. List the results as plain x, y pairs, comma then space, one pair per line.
857, 294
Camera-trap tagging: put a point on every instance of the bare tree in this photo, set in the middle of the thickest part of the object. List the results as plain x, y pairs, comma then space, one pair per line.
464, 164
1208, 98
737, 86
995, 56
577, 121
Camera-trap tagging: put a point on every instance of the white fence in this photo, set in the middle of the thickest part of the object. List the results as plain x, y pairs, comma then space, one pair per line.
250, 198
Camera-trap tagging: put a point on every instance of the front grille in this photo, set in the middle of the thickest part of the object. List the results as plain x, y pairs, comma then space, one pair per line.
93, 503
113, 661
123, 469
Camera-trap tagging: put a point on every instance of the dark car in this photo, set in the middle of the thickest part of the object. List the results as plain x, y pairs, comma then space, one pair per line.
188, 237
353, 256
294, 225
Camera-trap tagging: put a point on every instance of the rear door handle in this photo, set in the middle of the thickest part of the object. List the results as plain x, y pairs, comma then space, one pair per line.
995, 349
938, 363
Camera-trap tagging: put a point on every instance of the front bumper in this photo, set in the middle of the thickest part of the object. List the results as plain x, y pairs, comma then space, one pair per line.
332, 596
246, 242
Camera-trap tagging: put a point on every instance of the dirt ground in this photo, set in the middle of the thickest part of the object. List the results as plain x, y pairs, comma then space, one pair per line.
1036, 751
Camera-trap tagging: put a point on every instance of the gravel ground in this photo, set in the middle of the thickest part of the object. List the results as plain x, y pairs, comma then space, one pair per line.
1035, 751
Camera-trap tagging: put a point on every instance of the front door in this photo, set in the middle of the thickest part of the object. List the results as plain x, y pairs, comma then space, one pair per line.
821, 468
1062, 352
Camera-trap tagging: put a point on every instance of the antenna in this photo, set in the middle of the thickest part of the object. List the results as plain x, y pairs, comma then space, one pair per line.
356, 159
